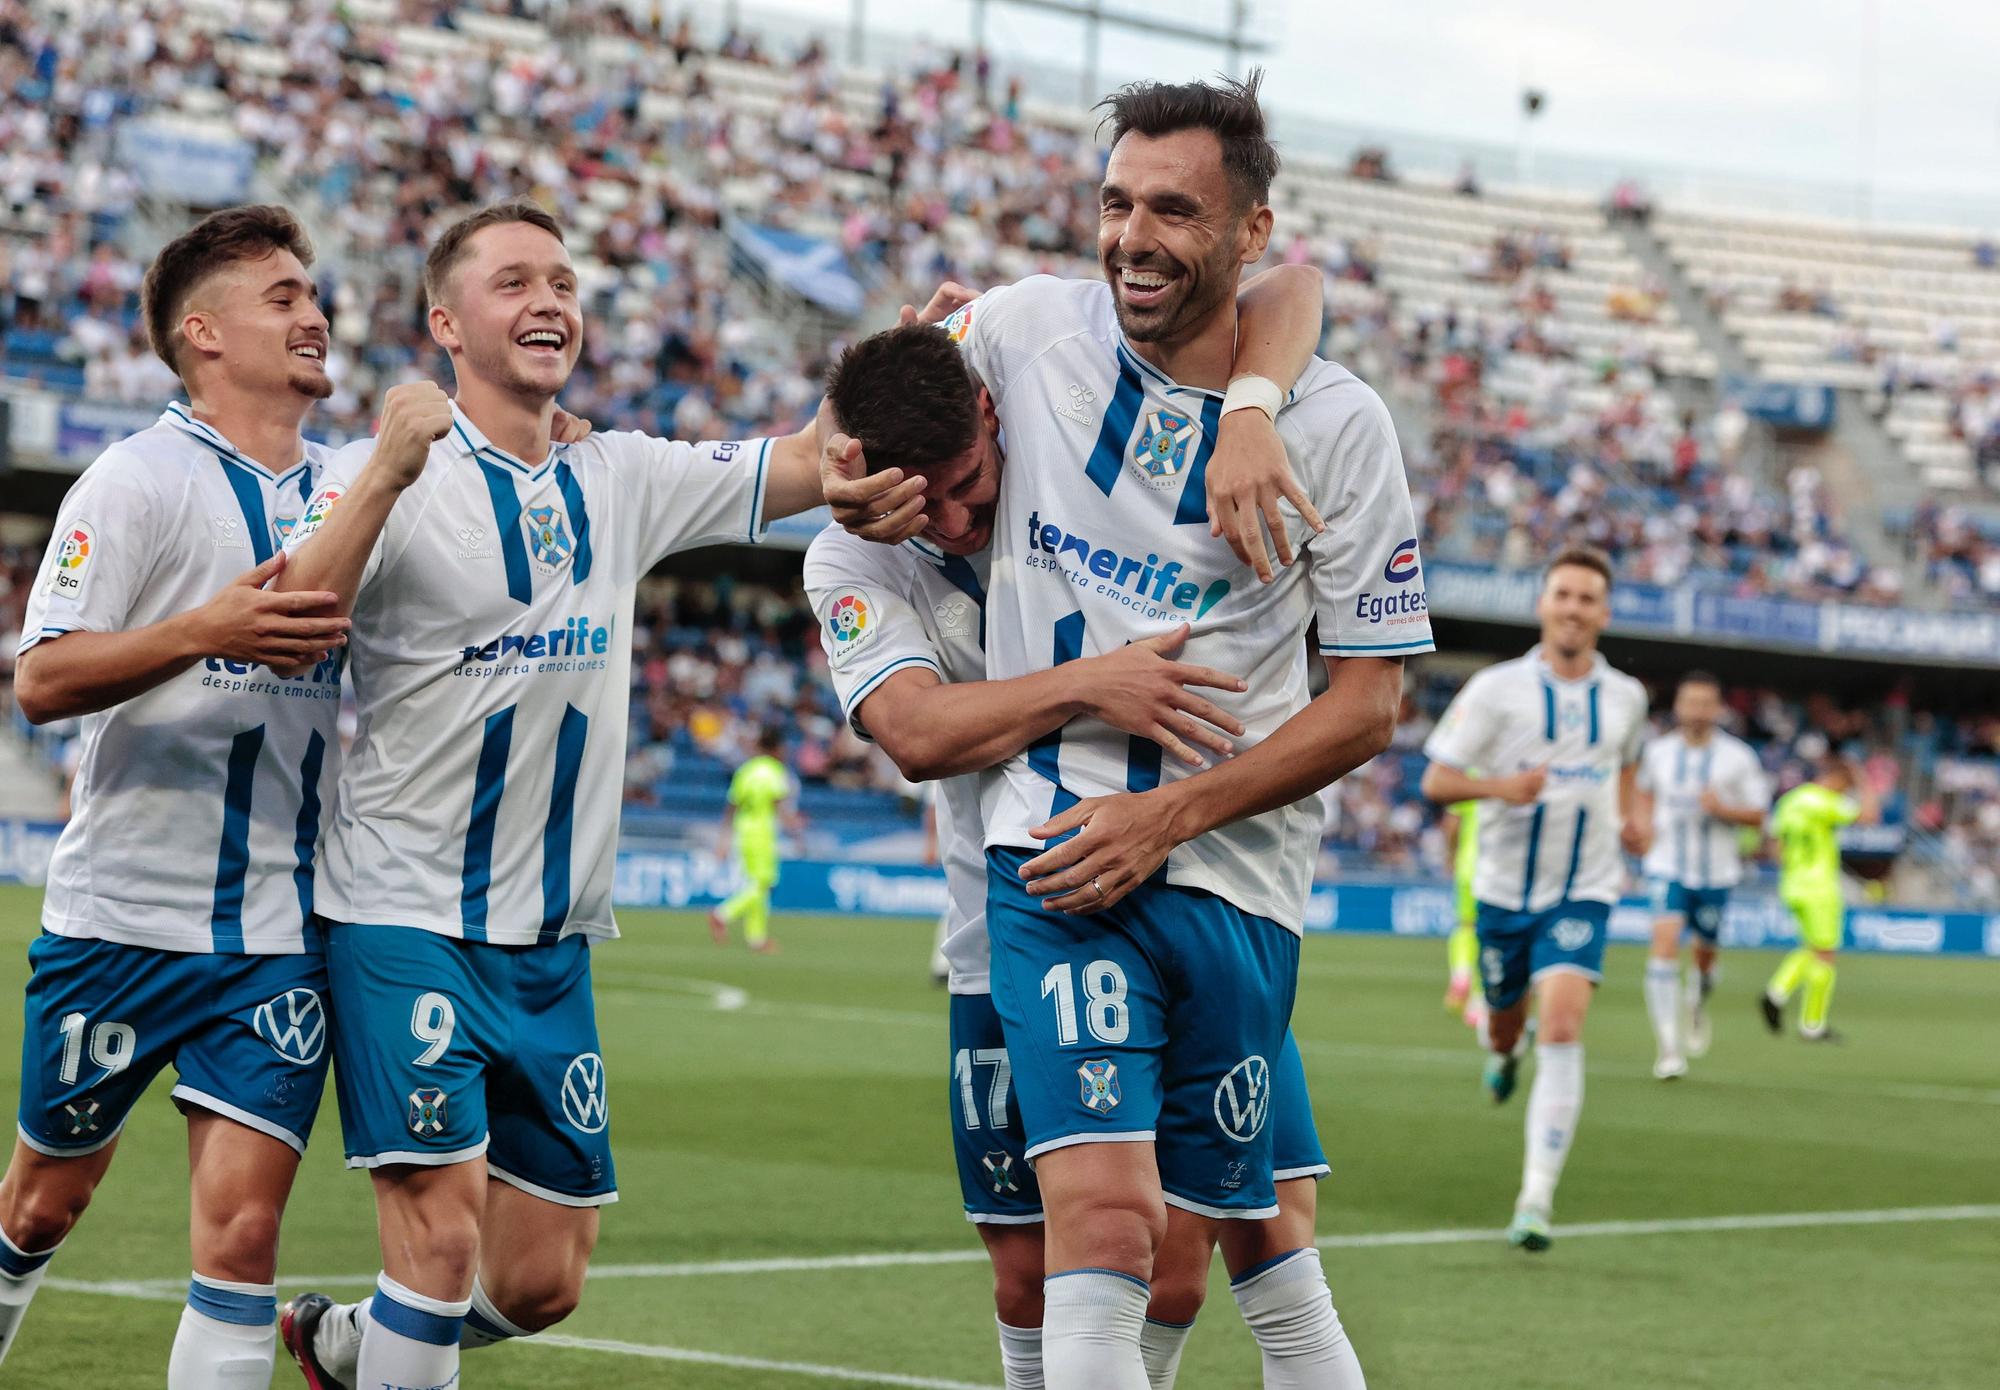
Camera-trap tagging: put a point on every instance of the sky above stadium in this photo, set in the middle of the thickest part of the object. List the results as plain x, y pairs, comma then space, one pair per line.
1858, 93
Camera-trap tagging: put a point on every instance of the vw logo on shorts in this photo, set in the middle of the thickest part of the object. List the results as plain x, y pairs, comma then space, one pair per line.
294, 1024
583, 1100
1573, 933
1243, 1099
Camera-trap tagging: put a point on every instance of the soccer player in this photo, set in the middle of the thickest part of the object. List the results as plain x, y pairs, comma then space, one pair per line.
177, 921
1461, 948
1699, 787
1144, 966
468, 867
757, 796
1557, 735
1806, 823
898, 624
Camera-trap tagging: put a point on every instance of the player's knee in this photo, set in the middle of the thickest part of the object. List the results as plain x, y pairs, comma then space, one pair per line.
545, 1303
240, 1243
444, 1246
1177, 1295
40, 1213
1557, 1028
1119, 1230
1017, 1296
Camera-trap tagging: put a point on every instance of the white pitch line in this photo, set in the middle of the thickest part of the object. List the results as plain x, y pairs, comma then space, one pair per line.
751, 1363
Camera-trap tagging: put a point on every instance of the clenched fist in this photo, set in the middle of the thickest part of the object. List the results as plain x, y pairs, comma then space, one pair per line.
415, 416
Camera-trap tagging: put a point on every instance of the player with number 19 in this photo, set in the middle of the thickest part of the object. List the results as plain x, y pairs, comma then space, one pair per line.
177, 920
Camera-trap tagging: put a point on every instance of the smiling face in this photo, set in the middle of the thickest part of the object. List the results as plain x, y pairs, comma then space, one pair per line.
259, 322
1172, 236
509, 314
1697, 708
1574, 608
963, 491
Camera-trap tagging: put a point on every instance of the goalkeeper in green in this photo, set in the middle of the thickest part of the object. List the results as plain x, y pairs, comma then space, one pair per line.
1806, 823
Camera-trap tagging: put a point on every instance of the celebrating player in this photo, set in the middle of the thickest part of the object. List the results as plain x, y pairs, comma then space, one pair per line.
491, 574
177, 919
1806, 823
1557, 735
1144, 966
896, 623
1699, 786
757, 794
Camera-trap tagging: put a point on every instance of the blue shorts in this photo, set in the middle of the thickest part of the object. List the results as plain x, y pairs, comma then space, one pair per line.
1157, 1021
1700, 909
246, 1035
994, 1176
1517, 948
450, 1049
1295, 1147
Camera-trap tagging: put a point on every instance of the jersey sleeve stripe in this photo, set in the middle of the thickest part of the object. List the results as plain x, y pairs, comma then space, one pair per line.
47, 630
869, 686
1342, 648
757, 493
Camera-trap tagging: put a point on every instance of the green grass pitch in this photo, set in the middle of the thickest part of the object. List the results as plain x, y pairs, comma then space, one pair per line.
809, 1121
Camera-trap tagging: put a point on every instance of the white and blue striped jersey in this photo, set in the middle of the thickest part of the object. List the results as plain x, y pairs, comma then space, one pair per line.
1101, 539
1515, 717
490, 660
197, 805
884, 609
1690, 847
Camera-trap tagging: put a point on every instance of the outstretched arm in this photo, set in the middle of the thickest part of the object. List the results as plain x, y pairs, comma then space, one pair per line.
1121, 840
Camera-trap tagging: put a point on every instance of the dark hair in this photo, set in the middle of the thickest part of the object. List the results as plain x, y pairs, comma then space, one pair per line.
1699, 678
453, 246
1225, 107
218, 241
771, 739
907, 396
1587, 557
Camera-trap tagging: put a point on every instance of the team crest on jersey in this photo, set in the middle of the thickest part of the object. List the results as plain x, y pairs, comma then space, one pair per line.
1000, 1172
548, 538
427, 1107
853, 619
82, 1118
1573, 933
1163, 447
1100, 1085
67, 574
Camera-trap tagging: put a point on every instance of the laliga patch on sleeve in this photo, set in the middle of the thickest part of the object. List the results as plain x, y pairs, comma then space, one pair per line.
960, 323
72, 565
316, 513
853, 620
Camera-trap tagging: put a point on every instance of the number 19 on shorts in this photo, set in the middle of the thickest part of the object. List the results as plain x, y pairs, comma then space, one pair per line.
1104, 1011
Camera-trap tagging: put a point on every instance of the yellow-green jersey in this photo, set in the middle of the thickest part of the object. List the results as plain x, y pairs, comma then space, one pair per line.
1466, 864
1807, 823
757, 790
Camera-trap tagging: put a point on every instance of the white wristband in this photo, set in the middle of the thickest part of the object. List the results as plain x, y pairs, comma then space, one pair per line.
1253, 393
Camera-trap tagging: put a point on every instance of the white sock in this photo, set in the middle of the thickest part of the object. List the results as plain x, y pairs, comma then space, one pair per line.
20, 1275
1091, 1319
1290, 1313
486, 1324
337, 1340
410, 1341
228, 1337
1663, 1004
1554, 1104
1160, 1346
1020, 1356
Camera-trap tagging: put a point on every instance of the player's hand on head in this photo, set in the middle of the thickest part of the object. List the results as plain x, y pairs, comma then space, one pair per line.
1141, 689
949, 299
415, 415
566, 428
1248, 476
1120, 841
885, 506
248, 623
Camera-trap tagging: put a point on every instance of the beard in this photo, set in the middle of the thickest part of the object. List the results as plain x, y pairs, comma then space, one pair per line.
315, 385
1195, 294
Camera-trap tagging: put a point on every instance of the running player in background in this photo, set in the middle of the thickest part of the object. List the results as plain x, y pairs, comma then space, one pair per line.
491, 572
177, 917
1558, 734
1699, 788
1806, 824
1461, 949
903, 631
758, 794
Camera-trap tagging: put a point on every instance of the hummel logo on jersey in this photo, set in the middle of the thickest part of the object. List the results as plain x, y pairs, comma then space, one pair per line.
1147, 580
472, 543
227, 532
1079, 397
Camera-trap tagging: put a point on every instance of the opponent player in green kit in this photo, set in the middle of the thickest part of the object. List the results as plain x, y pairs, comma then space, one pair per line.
757, 794
1807, 824
1461, 840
